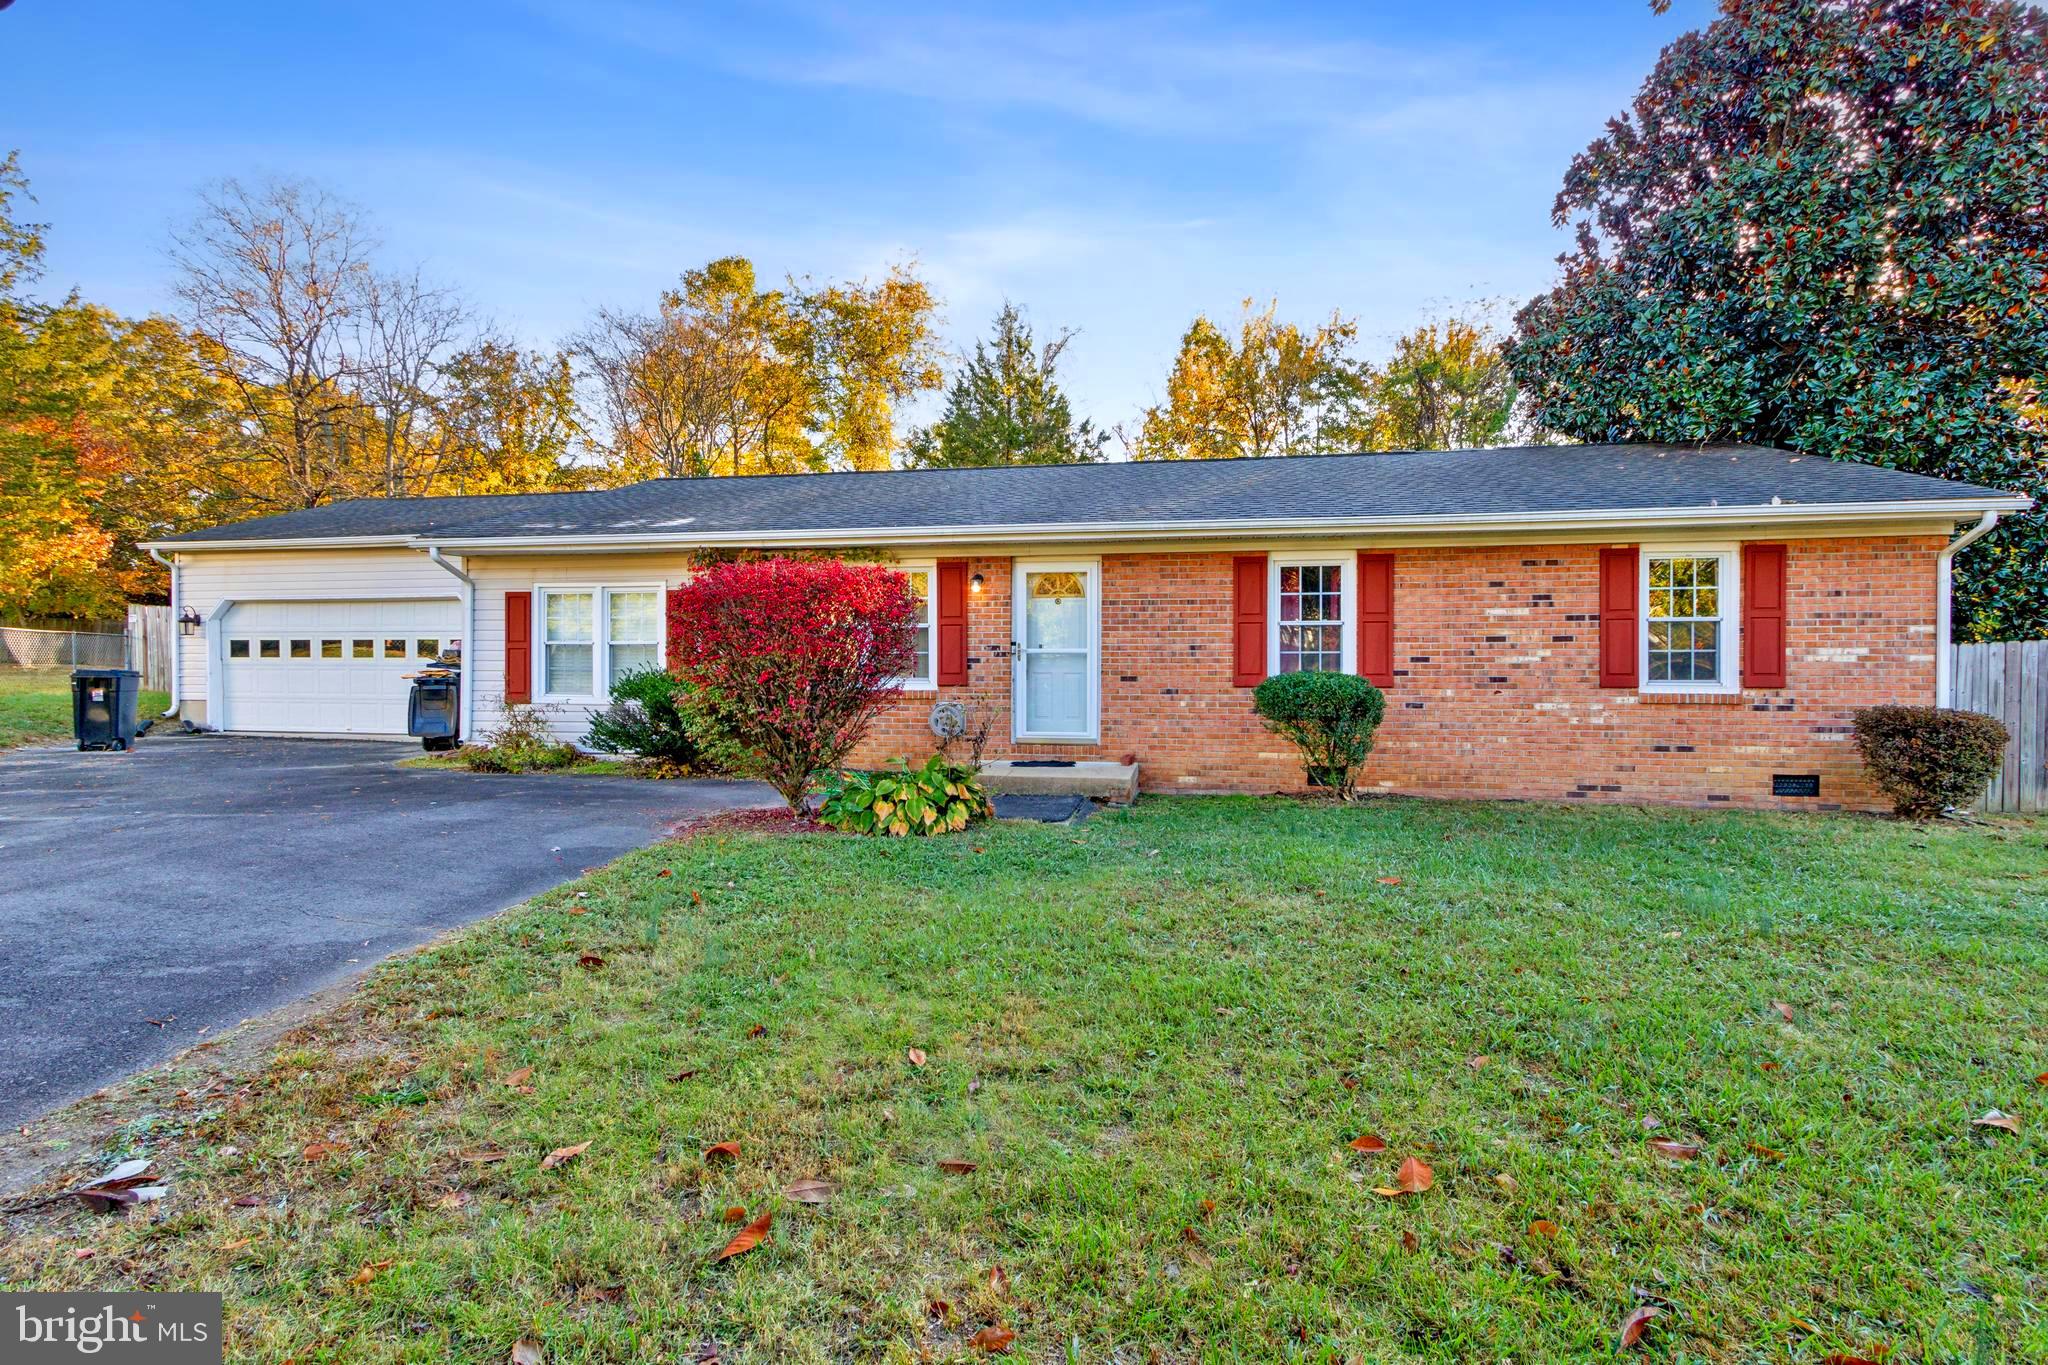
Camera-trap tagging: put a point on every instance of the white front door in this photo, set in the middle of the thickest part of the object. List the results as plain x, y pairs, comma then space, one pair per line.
328, 668
1058, 637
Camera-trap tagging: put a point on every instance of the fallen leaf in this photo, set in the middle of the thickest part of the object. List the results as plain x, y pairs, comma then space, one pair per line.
590, 960
939, 1308
1676, 1150
916, 1056
811, 1191
1476, 1062
758, 1031
86, 1253
2041, 1079
563, 1154
1767, 1153
1349, 1082
1368, 1142
747, 1238
369, 1272
696, 896
1410, 1242
527, 1353
998, 1280
1784, 1010
453, 1199
247, 1201
666, 872
993, 1340
1632, 1325
517, 1080
736, 1214
722, 1151
579, 909
1413, 1177
1651, 1123
953, 1165
482, 1156
1208, 1208
1769, 1066
1992, 1118
1390, 881
1543, 1227
684, 1075
320, 1150
1506, 1182
1844, 1358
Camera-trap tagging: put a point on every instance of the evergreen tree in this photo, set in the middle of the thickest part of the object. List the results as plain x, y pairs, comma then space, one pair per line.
1005, 407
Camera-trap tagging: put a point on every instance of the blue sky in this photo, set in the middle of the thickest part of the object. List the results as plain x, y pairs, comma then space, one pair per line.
1112, 170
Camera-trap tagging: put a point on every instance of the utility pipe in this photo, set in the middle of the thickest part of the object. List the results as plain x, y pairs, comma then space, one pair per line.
177, 639
1945, 652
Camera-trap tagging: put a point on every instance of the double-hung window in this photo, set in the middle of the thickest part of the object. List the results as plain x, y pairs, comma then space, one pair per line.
1689, 630
920, 577
1311, 616
591, 637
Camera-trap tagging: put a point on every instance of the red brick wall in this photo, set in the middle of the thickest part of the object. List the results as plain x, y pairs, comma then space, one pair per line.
1496, 689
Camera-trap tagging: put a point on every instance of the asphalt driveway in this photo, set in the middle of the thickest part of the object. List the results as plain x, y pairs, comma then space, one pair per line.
194, 883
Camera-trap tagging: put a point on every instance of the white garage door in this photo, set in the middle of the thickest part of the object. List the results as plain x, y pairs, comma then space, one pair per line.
325, 668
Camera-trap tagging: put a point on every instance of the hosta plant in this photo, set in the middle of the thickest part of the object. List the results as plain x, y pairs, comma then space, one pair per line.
937, 798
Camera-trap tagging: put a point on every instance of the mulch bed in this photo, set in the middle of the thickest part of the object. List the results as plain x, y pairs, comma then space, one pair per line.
769, 820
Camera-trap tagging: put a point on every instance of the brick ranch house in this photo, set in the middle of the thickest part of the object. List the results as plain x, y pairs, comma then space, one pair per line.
1622, 623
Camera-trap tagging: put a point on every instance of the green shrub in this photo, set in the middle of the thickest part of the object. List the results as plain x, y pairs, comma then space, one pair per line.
646, 718
520, 743
1329, 717
1927, 759
938, 798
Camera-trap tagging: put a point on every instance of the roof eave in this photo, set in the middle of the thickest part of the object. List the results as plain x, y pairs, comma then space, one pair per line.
1621, 519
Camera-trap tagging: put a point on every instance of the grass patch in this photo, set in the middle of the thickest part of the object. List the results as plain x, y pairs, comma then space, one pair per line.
1154, 1035
36, 707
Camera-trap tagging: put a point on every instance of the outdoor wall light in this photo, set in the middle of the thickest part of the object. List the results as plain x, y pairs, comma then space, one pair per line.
976, 583
189, 622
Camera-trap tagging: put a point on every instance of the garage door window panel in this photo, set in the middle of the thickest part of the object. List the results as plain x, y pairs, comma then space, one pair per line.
268, 649
330, 649
238, 649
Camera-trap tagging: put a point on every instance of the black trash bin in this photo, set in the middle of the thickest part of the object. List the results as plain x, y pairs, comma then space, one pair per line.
103, 702
434, 714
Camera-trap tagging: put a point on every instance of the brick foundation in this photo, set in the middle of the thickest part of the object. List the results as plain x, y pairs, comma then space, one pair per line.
1496, 688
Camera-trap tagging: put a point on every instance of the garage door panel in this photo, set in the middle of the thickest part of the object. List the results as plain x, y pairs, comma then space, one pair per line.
328, 667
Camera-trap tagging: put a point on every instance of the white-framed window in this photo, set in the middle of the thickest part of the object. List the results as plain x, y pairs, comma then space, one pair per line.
590, 636
568, 623
1691, 615
632, 623
1310, 602
923, 578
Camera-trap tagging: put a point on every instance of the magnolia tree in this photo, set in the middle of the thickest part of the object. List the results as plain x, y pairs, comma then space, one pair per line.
791, 661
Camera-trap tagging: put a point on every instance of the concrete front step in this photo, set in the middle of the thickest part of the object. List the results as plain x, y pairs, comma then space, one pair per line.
1116, 783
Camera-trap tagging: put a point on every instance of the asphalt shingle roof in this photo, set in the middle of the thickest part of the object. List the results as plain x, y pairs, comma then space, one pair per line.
1530, 480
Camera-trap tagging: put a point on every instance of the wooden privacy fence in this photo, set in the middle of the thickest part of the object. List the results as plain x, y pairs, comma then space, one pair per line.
152, 636
2010, 681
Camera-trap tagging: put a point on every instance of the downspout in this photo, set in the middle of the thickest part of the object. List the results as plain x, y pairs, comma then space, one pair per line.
177, 637
468, 640
1944, 652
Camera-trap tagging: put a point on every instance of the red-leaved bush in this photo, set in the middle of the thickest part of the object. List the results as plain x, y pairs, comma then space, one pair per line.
792, 660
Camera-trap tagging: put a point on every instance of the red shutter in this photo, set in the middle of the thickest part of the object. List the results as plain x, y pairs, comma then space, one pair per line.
949, 623
1376, 619
1763, 616
1248, 620
669, 653
1618, 616
518, 646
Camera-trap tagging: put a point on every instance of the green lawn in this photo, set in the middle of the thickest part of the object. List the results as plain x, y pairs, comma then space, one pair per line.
36, 707
1155, 1035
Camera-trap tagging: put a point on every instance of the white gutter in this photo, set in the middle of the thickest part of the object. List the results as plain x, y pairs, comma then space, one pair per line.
1944, 611
177, 631
468, 693
399, 540
678, 535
